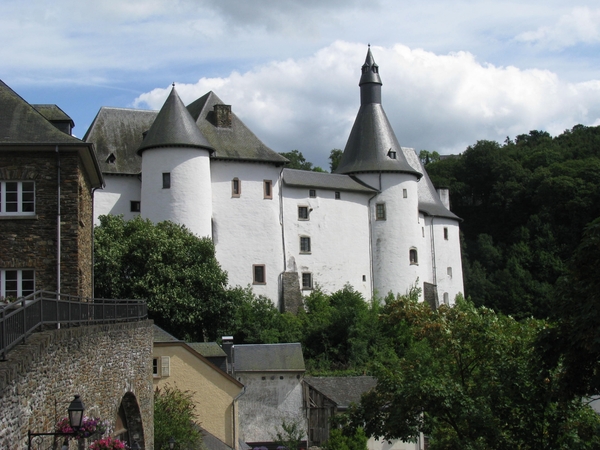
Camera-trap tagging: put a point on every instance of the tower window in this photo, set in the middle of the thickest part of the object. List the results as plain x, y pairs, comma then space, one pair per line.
404, 193
449, 272
259, 274
392, 154
166, 177
338, 195
446, 299
304, 244
135, 206
302, 212
446, 233
236, 187
268, 188
413, 256
307, 281
380, 211
312, 193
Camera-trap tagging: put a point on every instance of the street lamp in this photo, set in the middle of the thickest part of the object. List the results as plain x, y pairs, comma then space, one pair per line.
171, 443
75, 411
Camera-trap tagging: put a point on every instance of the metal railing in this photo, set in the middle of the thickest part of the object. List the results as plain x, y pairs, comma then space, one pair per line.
21, 318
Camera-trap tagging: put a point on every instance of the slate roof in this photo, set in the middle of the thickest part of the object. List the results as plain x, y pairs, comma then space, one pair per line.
22, 126
161, 335
429, 200
268, 358
54, 114
304, 178
119, 131
208, 349
372, 137
174, 127
237, 142
342, 390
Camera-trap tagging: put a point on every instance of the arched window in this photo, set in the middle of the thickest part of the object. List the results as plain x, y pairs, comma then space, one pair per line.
446, 299
413, 256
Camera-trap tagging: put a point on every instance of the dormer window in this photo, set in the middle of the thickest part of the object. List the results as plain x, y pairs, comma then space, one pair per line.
111, 159
392, 154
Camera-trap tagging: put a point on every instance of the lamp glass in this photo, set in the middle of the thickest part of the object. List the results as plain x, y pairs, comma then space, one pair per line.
76, 409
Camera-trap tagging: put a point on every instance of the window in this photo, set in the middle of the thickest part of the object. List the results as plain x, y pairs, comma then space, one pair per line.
161, 366
446, 233
413, 256
155, 372
135, 206
446, 299
111, 159
307, 282
380, 211
404, 193
312, 193
423, 231
364, 278
166, 180
449, 272
268, 188
392, 154
16, 283
259, 274
302, 212
17, 198
304, 244
338, 195
236, 187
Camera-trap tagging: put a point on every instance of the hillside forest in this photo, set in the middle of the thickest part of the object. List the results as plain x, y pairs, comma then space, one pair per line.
511, 365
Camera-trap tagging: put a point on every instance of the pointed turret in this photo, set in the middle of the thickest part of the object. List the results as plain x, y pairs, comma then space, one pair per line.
174, 127
372, 145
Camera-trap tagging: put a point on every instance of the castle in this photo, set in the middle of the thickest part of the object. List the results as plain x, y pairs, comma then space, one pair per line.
377, 223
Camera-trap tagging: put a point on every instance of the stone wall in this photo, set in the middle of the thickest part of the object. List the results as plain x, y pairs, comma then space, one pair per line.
107, 365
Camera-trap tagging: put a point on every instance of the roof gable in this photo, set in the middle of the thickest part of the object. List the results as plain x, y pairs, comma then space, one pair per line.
268, 358
342, 390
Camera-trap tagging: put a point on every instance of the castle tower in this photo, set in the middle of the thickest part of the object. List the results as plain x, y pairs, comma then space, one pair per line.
373, 155
176, 183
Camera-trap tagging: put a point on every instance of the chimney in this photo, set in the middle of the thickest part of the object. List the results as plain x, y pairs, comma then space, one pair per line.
227, 346
444, 194
222, 116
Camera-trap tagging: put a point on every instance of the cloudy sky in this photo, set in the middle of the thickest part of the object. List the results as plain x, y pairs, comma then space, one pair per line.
452, 72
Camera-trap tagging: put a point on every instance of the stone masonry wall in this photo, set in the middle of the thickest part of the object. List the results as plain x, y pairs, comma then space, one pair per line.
101, 363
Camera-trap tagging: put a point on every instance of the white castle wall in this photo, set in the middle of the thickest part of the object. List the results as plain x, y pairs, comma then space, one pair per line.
188, 201
449, 274
339, 233
393, 238
247, 230
117, 196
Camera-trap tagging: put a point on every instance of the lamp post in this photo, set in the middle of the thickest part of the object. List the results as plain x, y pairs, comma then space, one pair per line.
171, 443
75, 411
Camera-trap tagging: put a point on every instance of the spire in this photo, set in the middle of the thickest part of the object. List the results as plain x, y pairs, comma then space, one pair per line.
372, 145
174, 127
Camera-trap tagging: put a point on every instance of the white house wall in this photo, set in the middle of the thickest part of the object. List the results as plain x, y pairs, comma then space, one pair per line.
247, 229
449, 275
188, 201
116, 197
339, 235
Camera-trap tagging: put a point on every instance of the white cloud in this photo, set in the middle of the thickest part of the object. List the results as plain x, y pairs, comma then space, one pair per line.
435, 102
581, 25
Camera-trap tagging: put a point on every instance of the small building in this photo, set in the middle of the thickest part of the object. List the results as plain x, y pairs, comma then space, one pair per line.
272, 374
214, 392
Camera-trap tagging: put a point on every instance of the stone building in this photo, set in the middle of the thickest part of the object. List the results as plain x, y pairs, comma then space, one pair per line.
47, 178
377, 224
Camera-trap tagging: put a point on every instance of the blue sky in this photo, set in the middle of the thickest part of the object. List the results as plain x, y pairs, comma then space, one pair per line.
453, 72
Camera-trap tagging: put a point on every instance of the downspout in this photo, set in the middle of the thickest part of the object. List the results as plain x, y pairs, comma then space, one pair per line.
282, 223
434, 266
234, 421
93, 244
58, 244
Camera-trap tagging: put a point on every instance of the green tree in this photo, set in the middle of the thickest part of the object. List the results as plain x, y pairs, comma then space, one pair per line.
175, 271
334, 159
298, 161
470, 379
174, 417
428, 157
289, 435
340, 441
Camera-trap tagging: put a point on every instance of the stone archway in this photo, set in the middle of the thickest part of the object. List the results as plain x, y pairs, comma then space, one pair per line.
129, 427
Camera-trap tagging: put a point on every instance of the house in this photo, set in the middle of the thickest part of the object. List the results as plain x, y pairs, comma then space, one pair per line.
47, 179
272, 375
215, 393
324, 397
377, 224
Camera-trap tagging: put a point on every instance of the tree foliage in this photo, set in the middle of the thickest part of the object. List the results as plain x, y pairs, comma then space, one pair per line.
334, 159
470, 379
298, 161
340, 441
174, 417
525, 205
175, 271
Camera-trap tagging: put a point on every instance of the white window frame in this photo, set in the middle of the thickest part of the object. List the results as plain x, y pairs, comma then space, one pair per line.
20, 290
20, 202
161, 366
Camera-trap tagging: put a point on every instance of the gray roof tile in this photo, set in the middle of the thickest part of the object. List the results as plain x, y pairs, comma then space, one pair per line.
161, 335
268, 357
342, 390
207, 349
303, 178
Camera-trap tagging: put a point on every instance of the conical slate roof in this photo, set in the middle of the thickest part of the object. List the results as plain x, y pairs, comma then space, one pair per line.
174, 127
372, 145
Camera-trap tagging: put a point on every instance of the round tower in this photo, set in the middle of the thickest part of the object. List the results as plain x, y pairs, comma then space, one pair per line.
176, 183
373, 155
